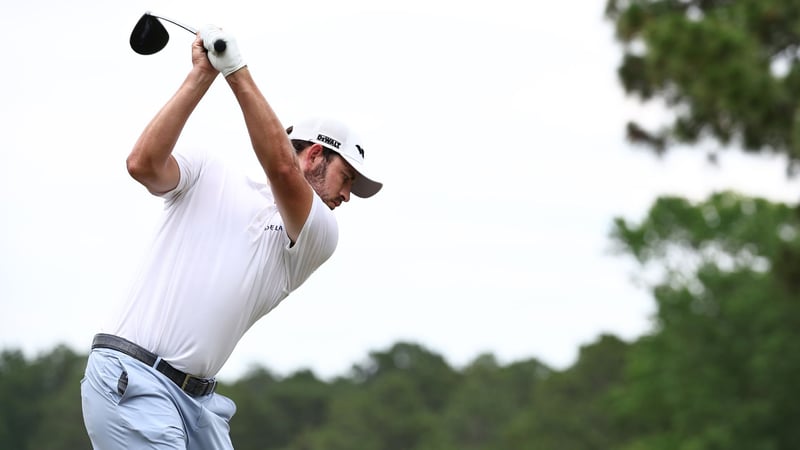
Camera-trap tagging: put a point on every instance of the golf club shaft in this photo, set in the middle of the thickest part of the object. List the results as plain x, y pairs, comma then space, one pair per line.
218, 45
185, 27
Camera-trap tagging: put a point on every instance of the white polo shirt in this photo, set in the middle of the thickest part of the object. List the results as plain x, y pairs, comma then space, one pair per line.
220, 261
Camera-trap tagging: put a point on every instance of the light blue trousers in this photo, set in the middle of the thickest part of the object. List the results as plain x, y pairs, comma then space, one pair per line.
149, 411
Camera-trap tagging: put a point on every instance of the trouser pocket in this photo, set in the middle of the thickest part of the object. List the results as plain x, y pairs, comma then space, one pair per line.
122, 383
106, 374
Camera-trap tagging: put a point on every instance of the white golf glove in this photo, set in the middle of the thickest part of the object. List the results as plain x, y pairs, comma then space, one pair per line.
227, 61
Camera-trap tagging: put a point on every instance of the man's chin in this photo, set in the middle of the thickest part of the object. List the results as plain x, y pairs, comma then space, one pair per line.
332, 204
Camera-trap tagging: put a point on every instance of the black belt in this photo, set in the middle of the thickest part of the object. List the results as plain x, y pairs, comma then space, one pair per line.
190, 384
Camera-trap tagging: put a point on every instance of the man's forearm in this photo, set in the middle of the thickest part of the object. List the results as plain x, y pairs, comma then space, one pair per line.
267, 134
150, 162
293, 194
159, 137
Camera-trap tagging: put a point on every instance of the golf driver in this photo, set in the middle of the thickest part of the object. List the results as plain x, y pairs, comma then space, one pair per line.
149, 35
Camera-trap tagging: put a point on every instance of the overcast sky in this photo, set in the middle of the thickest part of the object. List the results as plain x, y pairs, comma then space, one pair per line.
497, 128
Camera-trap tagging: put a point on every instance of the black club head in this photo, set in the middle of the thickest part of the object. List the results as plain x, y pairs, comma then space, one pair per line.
149, 35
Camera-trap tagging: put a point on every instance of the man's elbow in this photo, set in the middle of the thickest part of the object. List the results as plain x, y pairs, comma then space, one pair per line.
155, 176
139, 168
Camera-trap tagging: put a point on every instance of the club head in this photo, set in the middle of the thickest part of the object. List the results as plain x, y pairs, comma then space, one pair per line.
149, 35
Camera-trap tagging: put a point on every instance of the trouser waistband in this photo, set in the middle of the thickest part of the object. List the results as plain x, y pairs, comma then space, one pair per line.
190, 384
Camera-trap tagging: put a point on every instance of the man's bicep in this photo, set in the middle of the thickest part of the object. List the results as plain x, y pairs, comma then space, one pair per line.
315, 245
294, 197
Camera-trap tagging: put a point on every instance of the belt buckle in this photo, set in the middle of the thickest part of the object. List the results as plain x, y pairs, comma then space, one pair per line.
206, 386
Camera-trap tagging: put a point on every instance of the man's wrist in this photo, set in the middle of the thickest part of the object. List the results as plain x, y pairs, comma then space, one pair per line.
239, 75
201, 78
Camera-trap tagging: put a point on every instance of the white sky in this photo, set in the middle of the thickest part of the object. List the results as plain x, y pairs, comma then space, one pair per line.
497, 128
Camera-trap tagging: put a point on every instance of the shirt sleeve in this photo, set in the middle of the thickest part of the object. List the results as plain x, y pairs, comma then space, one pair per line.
190, 165
315, 244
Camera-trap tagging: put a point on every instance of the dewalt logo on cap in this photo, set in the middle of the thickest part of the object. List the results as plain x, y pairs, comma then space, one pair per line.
329, 140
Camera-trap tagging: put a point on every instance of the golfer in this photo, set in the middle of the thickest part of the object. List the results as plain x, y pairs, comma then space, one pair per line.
228, 250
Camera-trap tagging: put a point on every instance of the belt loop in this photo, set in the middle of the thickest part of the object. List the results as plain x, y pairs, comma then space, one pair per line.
155, 364
185, 381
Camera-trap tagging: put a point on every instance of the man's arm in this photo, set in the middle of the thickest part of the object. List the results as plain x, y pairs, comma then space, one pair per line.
151, 162
293, 194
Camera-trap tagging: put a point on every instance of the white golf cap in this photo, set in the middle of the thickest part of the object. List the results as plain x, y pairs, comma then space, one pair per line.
338, 137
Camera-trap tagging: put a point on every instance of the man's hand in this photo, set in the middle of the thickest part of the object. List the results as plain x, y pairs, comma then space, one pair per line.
226, 61
200, 59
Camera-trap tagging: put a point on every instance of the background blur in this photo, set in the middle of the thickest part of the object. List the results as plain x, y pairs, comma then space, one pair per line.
587, 236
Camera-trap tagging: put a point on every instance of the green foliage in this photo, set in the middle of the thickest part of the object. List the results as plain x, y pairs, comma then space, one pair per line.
434, 379
729, 222
16, 390
40, 401
719, 371
485, 404
275, 411
389, 402
727, 69
572, 409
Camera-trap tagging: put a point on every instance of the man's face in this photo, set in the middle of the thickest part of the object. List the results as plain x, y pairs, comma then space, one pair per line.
332, 179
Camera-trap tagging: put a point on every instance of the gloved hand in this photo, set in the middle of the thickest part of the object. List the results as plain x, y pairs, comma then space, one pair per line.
226, 61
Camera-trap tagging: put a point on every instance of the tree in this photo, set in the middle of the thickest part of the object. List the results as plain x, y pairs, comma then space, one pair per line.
718, 372
60, 425
572, 409
390, 401
727, 69
272, 412
488, 398
18, 392
40, 401
434, 379
387, 414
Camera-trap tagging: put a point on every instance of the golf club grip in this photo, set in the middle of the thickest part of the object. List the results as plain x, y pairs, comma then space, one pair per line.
220, 45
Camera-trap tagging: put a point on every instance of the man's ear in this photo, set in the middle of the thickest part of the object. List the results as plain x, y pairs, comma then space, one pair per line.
315, 151
313, 154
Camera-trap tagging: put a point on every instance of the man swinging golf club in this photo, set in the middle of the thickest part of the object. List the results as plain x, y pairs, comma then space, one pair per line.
229, 250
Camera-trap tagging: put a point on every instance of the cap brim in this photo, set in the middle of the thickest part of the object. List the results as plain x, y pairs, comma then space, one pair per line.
363, 186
